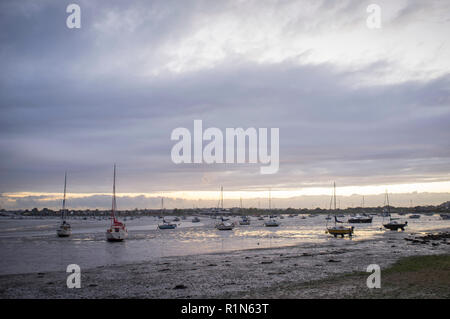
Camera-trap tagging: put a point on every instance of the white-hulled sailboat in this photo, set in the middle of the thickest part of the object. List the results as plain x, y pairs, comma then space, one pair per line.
117, 231
64, 229
338, 230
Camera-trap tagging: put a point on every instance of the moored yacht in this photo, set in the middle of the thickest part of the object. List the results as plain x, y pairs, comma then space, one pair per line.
393, 223
225, 226
117, 231
64, 229
360, 219
271, 223
338, 230
167, 225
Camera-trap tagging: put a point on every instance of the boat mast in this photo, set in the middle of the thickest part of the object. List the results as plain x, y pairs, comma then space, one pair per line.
221, 197
270, 198
387, 199
334, 198
113, 209
63, 216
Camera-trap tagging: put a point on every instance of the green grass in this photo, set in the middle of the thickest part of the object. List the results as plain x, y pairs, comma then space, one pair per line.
421, 263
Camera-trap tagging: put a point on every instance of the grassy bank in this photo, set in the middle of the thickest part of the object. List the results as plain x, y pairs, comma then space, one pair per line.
410, 277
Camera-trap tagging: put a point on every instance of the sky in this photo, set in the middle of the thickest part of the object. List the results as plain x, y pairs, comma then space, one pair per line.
366, 108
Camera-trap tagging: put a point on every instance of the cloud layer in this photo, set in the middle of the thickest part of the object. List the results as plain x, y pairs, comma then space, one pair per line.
360, 106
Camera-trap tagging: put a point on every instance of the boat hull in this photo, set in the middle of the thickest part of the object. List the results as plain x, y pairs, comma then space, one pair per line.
167, 226
360, 220
64, 230
271, 225
395, 227
341, 231
112, 235
225, 226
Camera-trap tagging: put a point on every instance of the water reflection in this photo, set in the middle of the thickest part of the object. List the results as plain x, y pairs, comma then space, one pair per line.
32, 245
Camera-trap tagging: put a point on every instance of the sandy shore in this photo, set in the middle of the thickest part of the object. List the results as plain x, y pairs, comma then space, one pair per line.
311, 271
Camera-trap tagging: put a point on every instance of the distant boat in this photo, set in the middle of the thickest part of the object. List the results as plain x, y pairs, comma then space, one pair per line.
117, 231
414, 216
167, 225
271, 223
260, 218
195, 220
393, 224
339, 230
245, 221
176, 219
64, 229
225, 226
359, 219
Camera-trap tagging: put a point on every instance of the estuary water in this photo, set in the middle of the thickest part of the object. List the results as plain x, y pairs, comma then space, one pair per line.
30, 245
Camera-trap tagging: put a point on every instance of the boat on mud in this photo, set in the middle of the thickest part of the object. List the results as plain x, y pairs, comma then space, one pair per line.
117, 231
393, 223
339, 230
64, 229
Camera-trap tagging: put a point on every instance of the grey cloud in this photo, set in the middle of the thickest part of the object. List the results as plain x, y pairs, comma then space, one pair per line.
78, 101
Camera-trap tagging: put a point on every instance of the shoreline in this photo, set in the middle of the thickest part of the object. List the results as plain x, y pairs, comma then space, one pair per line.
244, 273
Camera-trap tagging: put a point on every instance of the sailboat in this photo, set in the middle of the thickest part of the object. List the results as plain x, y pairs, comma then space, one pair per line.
117, 231
271, 222
393, 223
165, 224
244, 221
339, 230
223, 225
64, 229
360, 218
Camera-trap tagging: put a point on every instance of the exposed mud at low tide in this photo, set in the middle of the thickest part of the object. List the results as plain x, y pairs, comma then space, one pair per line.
236, 274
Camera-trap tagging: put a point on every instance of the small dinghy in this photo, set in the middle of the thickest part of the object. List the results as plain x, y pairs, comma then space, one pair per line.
195, 220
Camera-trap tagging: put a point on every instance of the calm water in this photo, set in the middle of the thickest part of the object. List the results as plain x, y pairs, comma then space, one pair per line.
31, 245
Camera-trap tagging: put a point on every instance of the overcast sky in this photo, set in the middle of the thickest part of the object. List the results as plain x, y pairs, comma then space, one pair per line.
359, 106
